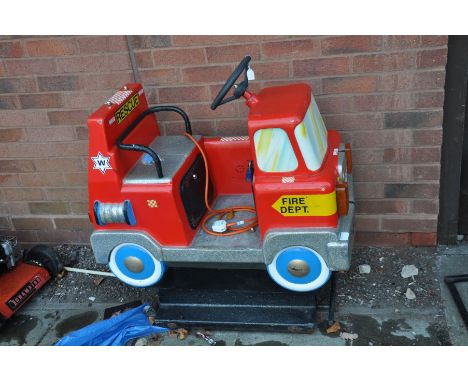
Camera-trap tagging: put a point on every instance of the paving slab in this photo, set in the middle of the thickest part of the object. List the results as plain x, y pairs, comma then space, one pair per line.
451, 265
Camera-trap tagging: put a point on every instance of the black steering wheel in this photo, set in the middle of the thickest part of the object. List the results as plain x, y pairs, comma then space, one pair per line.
240, 88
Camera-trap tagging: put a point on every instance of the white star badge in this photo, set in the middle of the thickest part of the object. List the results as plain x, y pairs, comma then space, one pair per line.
101, 163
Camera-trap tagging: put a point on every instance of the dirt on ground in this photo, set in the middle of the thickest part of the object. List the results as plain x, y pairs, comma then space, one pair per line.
382, 289
384, 285
81, 288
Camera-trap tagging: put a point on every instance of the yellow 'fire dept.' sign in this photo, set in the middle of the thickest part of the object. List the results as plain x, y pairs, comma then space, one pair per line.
306, 205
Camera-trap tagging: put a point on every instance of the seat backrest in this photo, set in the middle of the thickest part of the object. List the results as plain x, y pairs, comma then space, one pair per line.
108, 123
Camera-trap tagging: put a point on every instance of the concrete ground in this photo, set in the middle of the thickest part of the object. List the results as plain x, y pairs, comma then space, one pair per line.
372, 308
454, 261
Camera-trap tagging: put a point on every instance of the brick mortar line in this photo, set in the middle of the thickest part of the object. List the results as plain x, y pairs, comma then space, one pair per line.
84, 187
70, 37
345, 95
208, 63
66, 56
198, 84
339, 130
376, 113
354, 148
280, 38
350, 131
292, 59
220, 64
353, 74
239, 118
188, 87
378, 148
318, 97
343, 129
329, 95
408, 92
395, 215
382, 50
406, 182
82, 74
78, 36
221, 45
410, 166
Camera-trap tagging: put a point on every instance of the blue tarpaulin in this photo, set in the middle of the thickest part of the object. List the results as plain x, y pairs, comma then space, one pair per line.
114, 331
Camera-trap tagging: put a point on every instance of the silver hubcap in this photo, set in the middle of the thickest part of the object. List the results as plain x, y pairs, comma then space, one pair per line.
134, 264
298, 268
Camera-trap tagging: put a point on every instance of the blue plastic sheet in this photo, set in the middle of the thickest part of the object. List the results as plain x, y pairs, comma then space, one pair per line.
115, 331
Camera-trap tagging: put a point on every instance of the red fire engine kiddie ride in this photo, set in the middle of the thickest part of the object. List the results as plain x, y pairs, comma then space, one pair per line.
279, 199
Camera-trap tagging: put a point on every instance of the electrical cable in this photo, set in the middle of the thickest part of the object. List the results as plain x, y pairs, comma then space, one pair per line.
232, 229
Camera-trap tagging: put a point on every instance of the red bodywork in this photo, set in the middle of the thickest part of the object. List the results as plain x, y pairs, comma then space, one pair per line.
228, 159
18, 285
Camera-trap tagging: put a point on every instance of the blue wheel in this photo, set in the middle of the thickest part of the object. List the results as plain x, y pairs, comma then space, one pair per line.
135, 265
299, 269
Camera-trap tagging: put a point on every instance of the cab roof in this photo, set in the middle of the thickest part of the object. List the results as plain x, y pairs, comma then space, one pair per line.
280, 106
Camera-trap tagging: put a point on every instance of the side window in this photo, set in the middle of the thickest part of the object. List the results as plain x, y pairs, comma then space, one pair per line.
274, 151
311, 136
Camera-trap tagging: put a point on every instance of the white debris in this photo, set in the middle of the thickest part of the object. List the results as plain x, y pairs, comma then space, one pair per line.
410, 294
348, 336
141, 341
381, 259
364, 268
408, 271
91, 299
219, 226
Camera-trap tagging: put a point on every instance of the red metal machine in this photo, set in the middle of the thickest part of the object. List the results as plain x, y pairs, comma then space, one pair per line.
22, 276
279, 199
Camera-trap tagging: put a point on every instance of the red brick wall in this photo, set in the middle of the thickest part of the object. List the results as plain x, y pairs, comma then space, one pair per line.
384, 93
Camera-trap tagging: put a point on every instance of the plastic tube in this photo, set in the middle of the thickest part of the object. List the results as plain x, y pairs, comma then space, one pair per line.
89, 272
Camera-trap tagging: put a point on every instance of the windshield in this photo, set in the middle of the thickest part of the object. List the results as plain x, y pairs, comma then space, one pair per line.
274, 151
311, 136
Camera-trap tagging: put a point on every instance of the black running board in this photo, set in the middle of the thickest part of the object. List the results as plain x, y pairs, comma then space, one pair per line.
238, 300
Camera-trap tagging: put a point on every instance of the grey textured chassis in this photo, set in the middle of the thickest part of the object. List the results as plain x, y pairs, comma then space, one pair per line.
240, 251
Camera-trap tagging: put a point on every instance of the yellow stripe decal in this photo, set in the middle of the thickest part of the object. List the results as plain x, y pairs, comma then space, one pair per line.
306, 205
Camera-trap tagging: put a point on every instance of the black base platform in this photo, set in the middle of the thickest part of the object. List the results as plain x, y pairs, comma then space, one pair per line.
239, 300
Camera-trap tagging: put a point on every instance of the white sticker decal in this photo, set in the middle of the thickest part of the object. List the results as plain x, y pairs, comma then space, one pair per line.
250, 74
101, 163
119, 97
288, 179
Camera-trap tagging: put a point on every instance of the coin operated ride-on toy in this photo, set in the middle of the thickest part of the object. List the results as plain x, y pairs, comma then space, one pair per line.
22, 274
277, 202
